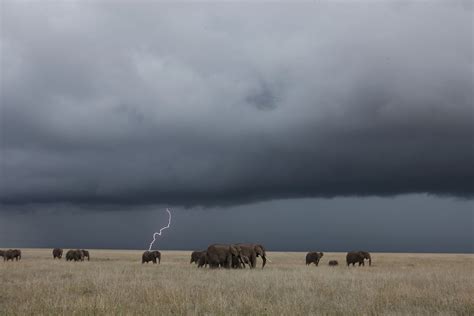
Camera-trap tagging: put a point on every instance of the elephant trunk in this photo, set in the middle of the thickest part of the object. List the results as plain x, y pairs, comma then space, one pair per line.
264, 259
370, 261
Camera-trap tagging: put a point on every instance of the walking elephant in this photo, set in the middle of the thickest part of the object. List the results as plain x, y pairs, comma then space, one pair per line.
252, 251
85, 253
220, 255
354, 257
195, 255
313, 257
12, 254
74, 255
57, 253
151, 256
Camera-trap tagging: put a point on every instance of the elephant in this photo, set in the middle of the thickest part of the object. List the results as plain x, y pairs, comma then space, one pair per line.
11, 254
333, 263
2, 253
237, 264
76, 255
151, 256
85, 253
221, 255
252, 251
57, 253
195, 255
203, 262
313, 257
354, 257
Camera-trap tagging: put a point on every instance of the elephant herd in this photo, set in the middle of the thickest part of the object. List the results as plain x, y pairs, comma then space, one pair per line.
227, 256
235, 256
72, 255
352, 257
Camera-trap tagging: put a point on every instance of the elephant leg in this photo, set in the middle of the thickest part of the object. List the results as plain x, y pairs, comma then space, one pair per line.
253, 260
228, 261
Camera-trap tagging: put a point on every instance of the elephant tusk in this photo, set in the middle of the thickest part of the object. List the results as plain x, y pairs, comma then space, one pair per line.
269, 260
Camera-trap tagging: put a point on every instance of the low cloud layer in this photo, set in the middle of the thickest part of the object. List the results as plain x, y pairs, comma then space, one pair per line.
224, 104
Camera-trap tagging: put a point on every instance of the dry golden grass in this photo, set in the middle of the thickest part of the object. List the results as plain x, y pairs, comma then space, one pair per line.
115, 282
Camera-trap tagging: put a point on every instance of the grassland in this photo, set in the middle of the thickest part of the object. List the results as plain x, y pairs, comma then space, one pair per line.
115, 282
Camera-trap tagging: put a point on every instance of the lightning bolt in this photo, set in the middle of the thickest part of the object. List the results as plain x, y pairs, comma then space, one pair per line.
155, 235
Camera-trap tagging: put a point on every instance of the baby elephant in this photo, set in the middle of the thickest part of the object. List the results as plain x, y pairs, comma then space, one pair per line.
236, 264
151, 256
333, 263
57, 253
195, 255
313, 257
203, 260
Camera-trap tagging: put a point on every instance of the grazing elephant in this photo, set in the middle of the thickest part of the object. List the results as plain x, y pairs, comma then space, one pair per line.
151, 256
85, 253
313, 257
221, 255
57, 253
195, 255
333, 263
74, 254
354, 257
252, 251
236, 262
11, 254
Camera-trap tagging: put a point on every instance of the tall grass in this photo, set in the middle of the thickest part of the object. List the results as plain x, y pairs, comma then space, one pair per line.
115, 282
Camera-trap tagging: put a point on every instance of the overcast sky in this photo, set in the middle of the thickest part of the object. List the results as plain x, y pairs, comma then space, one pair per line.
303, 125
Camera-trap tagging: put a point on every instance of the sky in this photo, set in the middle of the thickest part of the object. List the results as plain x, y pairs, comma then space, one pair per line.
303, 126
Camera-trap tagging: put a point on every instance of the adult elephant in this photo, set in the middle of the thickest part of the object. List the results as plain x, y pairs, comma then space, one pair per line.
11, 254
195, 255
221, 255
313, 257
74, 255
57, 253
354, 257
252, 251
2, 253
151, 256
85, 253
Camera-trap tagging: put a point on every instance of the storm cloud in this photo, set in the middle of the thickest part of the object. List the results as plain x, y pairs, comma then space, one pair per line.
200, 104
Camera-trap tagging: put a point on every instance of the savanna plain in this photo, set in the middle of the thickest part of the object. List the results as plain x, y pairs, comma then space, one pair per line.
115, 282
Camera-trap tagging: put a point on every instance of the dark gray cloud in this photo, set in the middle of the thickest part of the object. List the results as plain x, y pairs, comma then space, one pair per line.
203, 104
409, 223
